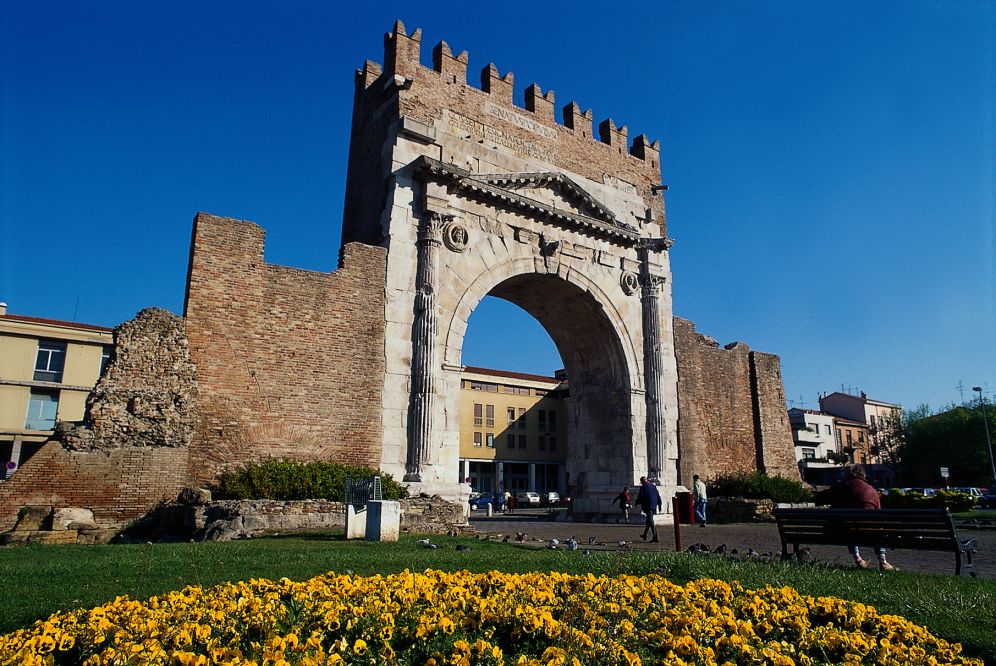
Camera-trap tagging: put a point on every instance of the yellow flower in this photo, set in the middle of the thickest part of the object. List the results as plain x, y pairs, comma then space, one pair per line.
359, 647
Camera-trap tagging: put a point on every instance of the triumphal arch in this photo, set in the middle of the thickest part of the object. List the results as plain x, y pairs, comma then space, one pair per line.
453, 193
472, 196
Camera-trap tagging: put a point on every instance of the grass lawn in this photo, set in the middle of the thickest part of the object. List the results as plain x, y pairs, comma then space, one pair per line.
38, 580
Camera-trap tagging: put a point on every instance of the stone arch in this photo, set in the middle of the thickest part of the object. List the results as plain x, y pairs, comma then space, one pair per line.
606, 447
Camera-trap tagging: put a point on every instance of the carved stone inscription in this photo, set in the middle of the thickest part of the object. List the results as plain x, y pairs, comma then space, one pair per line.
520, 120
480, 132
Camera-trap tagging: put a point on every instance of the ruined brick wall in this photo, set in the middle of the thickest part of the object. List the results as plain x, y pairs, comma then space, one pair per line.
776, 451
130, 451
118, 485
147, 395
731, 406
289, 361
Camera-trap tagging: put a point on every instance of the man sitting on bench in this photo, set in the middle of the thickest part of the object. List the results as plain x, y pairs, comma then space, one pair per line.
855, 493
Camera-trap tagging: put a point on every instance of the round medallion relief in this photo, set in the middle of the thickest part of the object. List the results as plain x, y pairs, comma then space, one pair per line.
455, 236
630, 282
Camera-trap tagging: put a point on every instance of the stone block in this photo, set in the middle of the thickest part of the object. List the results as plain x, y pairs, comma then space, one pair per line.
55, 537
356, 522
32, 518
383, 520
194, 496
91, 537
61, 518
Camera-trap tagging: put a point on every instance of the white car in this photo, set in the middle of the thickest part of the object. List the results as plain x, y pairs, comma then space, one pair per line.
527, 499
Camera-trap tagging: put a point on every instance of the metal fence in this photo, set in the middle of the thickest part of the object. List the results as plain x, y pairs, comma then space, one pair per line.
361, 489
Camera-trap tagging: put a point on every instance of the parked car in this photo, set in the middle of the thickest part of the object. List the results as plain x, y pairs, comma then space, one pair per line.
971, 492
525, 499
987, 501
926, 492
550, 498
481, 502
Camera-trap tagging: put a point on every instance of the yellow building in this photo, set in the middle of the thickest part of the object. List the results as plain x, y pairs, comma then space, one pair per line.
513, 431
47, 369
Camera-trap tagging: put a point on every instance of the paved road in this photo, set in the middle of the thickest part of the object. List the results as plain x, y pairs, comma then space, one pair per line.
762, 537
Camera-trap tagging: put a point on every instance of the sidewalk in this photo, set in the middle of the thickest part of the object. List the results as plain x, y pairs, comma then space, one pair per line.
761, 537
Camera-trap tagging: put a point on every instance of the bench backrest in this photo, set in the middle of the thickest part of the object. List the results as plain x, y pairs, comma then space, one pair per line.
921, 529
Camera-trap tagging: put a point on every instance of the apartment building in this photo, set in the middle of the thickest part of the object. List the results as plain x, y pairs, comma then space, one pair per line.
876, 416
513, 431
47, 369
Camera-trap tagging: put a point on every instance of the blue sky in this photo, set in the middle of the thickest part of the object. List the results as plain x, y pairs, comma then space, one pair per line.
830, 163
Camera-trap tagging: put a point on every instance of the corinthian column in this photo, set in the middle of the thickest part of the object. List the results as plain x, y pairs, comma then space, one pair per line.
424, 334
652, 369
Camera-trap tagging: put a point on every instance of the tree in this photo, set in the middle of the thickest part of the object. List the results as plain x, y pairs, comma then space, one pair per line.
954, 439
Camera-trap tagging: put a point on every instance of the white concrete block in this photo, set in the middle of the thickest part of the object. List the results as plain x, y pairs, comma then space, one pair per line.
356, 522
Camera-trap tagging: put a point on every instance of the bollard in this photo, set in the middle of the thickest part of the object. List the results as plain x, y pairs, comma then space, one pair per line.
677, 523
487, 508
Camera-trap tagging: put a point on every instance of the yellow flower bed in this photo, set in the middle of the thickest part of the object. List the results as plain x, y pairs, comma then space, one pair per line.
464, 618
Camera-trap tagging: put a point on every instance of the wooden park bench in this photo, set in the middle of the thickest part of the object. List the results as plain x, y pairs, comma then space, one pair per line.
913, 529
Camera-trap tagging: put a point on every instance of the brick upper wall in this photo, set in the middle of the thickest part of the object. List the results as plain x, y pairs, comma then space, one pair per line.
288, 361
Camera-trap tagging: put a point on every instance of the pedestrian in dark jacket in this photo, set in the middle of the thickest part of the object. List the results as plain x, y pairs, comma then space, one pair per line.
625, 502
855, 493
649, 501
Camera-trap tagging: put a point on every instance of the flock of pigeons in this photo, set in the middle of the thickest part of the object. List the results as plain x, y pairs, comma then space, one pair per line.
572, 544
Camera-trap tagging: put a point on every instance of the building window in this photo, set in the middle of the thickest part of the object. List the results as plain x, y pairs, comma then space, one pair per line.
838, 439
42, 409
849, 442
522, 441
516, 390
542, 442
553, 420
553, 443
478, 414
105, 359
490, 440
511, 416
484, 386
828, 429
861, 437
477, 439
541, 415
511, 441
50, 362
489, 415
873, 421
808, 454
541, 392
522, 418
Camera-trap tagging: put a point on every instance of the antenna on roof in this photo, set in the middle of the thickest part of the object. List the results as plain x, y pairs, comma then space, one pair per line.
961, 391
76, 308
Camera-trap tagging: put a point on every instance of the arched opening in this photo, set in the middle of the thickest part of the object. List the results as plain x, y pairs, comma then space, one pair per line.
596, 401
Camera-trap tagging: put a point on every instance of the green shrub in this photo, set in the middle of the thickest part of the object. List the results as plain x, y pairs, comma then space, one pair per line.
288, 480
758, 485
955, 501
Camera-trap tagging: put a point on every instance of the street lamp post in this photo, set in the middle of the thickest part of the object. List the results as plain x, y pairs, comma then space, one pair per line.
989, 443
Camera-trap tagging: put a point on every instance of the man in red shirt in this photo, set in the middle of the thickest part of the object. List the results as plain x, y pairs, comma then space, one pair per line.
855, 493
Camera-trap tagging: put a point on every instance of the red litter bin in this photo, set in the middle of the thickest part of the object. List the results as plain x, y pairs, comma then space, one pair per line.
684, 506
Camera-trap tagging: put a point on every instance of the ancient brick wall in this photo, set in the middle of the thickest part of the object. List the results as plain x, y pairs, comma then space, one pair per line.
776, 451
117, 485
289, 361
731, 409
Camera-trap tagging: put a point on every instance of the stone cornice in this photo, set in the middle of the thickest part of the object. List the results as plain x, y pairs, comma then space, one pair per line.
605, 226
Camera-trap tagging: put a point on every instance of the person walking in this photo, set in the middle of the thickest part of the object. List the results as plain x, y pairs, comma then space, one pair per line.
649, 501
701, 500
625, 503
855, 493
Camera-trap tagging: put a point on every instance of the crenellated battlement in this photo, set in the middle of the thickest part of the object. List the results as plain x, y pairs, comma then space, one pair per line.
402, 65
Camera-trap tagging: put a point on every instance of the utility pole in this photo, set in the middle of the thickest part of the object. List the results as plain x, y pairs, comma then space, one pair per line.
961, 391
989, 443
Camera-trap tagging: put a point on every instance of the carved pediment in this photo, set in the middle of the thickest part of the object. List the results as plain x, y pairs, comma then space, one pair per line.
550, 196
554, 189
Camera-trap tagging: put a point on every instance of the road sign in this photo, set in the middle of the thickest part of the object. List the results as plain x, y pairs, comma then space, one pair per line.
944, 472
